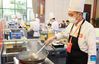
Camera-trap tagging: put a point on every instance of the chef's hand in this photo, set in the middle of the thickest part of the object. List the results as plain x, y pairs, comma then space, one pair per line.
49, 40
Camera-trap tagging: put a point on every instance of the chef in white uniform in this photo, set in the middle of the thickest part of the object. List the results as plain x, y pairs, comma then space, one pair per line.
55, 25
35, 26
81, 46
13, 23
21, 21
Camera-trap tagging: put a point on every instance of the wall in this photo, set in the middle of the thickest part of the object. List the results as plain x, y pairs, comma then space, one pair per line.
58, 7
35, 6
97, 11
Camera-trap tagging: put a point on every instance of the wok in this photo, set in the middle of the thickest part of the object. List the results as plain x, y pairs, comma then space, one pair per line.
31, 57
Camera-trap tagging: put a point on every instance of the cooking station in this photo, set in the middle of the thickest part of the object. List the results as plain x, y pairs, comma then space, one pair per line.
56, 53
50, 54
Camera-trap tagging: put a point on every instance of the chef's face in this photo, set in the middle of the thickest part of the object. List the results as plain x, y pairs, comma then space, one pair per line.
74, 15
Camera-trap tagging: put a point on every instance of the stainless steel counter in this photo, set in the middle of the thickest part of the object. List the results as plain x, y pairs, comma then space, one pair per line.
31, 44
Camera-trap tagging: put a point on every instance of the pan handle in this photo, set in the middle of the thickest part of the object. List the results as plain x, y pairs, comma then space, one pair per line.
41, 49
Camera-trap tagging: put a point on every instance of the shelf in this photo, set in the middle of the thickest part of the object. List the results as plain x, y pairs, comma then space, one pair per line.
12, 41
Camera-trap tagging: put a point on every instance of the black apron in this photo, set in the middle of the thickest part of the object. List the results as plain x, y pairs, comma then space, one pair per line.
76, 56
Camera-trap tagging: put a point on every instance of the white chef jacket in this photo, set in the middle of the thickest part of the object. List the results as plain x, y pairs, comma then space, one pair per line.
87, 39
55, 26
35, 26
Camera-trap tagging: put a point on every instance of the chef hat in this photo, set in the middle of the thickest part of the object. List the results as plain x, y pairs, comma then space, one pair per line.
19, 15
36, 15
51, 15
76, 5
13, 16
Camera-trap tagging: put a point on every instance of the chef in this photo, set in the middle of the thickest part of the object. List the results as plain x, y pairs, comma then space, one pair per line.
35, 26
81, 46
55, 25
14, 22
21, 21
52, 23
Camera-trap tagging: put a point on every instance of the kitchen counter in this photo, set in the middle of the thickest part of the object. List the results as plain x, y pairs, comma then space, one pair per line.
30, 44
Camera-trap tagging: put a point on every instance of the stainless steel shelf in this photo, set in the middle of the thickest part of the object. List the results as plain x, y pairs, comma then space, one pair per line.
19, 40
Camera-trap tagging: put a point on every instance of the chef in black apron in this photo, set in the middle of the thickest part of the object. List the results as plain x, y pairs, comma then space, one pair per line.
81, 46
76, 56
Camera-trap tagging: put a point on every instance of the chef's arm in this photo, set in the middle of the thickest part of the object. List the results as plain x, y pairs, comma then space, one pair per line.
56, 36
91, 39
49, 40
60, 35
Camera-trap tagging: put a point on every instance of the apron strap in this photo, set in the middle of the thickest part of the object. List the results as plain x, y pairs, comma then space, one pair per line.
70, 32
78, 31
71, 28
80, 28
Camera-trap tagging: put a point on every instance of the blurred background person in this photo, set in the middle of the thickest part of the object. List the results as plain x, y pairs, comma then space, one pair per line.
67, 22
55, 25
63, 24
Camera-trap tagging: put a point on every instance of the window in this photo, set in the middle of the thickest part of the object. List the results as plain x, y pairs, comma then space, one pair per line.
23, 13
14, 7
29, 3
0, 4
0, 13
20, 4
0, 8
8, 3
30, 14
8, 12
